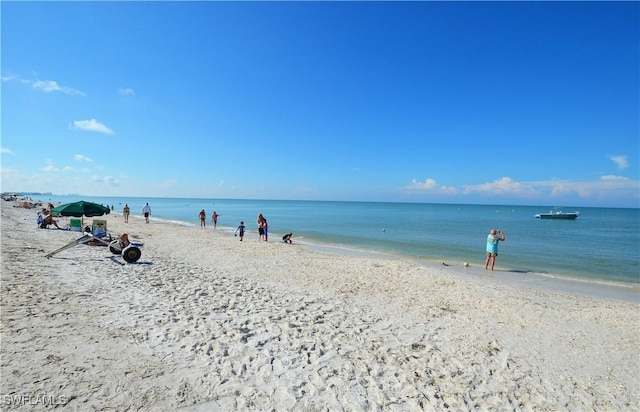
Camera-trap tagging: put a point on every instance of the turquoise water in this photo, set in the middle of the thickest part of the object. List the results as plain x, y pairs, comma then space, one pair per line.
603, 244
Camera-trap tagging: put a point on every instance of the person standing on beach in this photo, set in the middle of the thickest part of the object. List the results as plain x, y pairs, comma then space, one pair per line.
493, 238
265, 228
214, 219
125, 213
241, 230
203, 218
260, 222
146, 210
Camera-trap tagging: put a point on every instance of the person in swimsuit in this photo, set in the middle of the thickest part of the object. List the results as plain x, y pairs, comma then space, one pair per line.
214, 219
48, 220
126, 212
260, 222
203, 218
265, 229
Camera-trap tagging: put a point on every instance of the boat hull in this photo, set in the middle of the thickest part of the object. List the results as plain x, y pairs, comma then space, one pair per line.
558, 216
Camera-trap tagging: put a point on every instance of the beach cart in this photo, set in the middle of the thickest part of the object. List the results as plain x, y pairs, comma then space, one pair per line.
130, 251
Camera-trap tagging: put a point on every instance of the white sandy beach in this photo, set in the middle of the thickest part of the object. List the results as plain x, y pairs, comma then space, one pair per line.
204, 322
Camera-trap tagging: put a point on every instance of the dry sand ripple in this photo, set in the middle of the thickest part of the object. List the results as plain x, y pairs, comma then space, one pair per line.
203, 322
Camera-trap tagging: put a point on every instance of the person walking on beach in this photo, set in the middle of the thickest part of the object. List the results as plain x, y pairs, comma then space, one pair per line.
146, 210
493, 238
203, 218
241, 230
214, 219
125, 213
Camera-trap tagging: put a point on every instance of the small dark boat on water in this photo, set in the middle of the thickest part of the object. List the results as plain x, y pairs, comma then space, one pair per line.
557, 213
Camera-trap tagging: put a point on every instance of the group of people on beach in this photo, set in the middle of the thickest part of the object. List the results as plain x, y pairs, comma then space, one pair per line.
126, 212
263, 228
203, 218
45, 219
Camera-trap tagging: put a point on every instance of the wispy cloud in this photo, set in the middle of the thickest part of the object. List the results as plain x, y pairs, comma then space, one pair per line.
506, 186
5, 150
621, 161
83, 159
91, 125
106, 180
613, 177
126, 91
430, 185
46, 86
52, 86
50, 167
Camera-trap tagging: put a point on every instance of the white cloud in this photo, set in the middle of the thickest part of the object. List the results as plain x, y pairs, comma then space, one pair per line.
82, 158
50, 168
621, 161
127, 92
106, 180
613, 177
449, 190
507, 187
46, 86
504, 185
428, 184
91, 125
52, 86
5, 150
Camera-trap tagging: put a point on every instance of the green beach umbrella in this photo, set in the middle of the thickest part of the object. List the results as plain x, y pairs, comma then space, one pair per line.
79, 209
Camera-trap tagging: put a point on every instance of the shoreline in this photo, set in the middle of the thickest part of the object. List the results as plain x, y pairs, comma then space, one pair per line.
595, 287
559, 283
521, 254
203, 321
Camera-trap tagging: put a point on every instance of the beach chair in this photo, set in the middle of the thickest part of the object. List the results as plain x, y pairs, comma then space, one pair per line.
75, 224
99, 228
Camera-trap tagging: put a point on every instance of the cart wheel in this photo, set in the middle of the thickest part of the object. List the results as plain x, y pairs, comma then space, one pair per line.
115, 247
131, 254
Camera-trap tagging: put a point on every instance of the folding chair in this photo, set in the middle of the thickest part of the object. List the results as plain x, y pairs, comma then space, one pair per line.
99, 228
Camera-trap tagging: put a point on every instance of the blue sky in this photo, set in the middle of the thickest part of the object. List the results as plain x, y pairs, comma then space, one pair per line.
533, 103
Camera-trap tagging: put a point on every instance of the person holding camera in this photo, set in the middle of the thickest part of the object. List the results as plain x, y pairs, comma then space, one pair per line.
493, 238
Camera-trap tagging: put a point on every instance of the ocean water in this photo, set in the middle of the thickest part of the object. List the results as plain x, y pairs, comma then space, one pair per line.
602, 245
